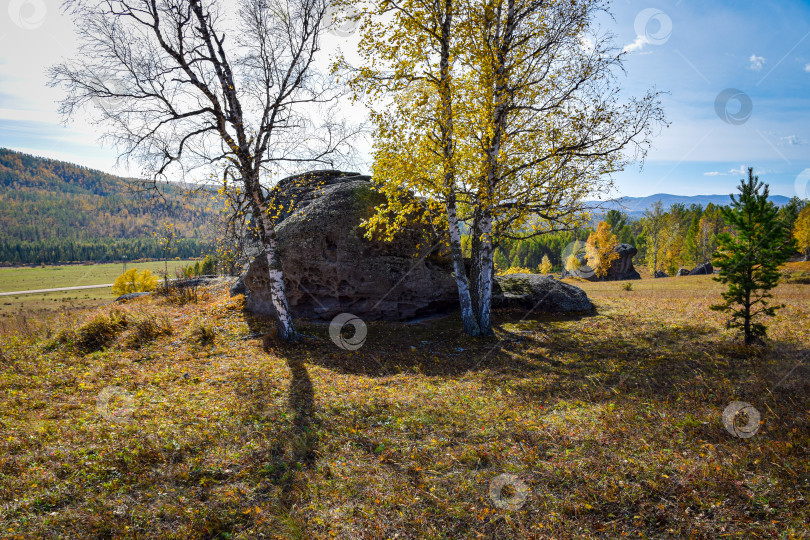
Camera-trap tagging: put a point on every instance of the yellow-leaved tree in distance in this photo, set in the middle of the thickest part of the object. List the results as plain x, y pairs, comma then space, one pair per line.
133, 281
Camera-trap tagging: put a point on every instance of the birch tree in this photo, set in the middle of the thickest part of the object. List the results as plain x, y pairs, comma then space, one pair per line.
546, 119
506, 112
654, 226
801, 232
201, 89
407, 50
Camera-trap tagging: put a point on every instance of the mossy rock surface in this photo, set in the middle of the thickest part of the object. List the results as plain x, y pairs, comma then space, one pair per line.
329, 265
517, 286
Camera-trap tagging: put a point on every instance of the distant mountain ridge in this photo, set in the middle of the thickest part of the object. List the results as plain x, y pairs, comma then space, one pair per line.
635, 206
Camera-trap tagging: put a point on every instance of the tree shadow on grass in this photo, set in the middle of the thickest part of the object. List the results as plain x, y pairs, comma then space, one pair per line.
649, 361
258, 325
433, 348
303, 436
545, 359
289, 452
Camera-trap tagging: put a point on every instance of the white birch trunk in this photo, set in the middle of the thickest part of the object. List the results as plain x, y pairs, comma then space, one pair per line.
475, 263
486, 268
467, 314
286, 328
485, 276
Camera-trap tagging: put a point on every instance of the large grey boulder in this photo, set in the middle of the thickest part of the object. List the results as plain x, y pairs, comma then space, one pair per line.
620, 269
702, 269
699, 270
540, 293
238, 286
331, 268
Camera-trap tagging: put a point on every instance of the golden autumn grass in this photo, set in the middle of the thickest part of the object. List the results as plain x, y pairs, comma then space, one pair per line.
612, 421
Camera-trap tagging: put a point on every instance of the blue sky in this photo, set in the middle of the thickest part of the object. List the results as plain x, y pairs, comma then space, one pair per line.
695, 50
761, 49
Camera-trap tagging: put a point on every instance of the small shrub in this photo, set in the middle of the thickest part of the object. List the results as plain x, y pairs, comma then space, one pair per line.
96, 334
180, 293
572, 263
627, 286
147, 329
203, 333
475, 458
23, 325
797, 278
545, 266
207, 267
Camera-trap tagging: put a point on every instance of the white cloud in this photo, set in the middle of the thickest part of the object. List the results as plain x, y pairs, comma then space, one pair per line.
715, 173
756, 62
807, 68
791, 140
637, 45
18, 115
742, 170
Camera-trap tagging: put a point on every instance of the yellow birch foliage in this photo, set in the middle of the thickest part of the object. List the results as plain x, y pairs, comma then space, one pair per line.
545, 265
516, 270
572, 263
801, 231
133, 281
400, 80
538, 126
539, 111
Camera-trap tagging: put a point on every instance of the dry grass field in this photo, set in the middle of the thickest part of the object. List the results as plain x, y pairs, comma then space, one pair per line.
51, 277
47, 305
165, 419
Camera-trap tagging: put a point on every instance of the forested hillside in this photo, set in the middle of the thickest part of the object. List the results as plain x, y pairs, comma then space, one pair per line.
52, 211
666, 239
